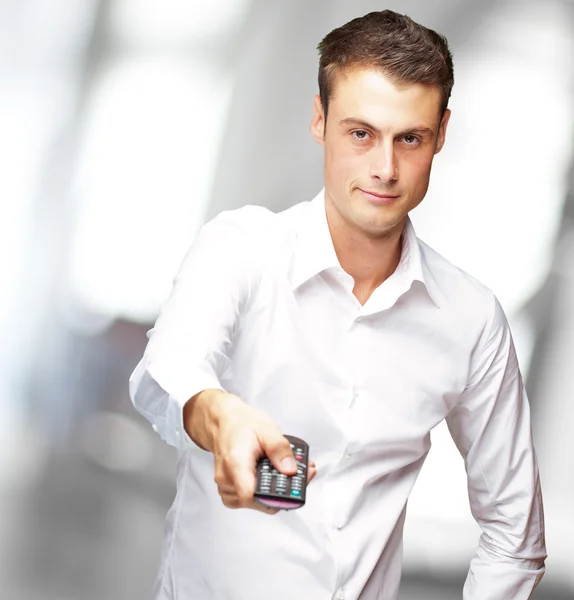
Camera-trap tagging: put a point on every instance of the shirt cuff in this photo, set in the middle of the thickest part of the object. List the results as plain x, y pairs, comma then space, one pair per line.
162, 406
492, 579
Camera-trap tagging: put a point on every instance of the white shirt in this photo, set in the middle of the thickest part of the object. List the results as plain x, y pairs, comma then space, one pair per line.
262, 308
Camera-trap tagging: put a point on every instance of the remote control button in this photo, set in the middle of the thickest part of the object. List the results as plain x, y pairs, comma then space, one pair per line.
295, 493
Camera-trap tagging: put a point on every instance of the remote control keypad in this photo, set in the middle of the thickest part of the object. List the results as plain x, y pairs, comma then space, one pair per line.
273, 484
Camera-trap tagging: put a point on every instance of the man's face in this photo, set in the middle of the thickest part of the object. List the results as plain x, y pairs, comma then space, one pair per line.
379, 137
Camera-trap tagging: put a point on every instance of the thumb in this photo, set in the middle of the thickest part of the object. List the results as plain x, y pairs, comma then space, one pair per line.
278, 449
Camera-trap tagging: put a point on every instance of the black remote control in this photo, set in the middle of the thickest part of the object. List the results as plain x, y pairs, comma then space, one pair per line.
282, 491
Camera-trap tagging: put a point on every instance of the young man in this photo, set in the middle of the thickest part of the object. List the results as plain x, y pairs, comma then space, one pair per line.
332, 322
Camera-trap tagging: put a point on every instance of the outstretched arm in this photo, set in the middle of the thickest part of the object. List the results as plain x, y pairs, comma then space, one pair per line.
191, 339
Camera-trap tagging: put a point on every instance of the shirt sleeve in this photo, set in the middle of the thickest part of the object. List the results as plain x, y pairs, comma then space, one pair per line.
189, 345
491, 427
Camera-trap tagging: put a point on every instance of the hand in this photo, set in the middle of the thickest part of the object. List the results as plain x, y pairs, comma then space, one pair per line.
244, 435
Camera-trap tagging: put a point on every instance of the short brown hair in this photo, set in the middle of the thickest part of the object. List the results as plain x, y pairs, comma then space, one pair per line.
402, 49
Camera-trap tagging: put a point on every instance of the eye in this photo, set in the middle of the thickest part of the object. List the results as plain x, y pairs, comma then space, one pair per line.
360, 134
411, 140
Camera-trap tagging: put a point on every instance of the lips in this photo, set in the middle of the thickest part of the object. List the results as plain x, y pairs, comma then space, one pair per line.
378, 199
381, 196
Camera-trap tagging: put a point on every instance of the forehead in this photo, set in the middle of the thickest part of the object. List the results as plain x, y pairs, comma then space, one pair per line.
371, 95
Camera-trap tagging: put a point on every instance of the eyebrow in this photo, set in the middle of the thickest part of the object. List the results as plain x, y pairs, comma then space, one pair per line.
353, 121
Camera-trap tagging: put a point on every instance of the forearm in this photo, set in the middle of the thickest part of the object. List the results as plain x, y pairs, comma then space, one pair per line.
186, 349
509, 560
202, 415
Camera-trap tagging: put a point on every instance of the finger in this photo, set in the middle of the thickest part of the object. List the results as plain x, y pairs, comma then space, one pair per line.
229, 500
278, 449
311, 473
239, 477
226, 488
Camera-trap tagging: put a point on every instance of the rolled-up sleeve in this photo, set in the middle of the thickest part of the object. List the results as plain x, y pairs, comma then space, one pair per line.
188, 348
491, 427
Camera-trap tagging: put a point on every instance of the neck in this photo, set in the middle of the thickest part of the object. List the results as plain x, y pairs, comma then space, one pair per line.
369, 260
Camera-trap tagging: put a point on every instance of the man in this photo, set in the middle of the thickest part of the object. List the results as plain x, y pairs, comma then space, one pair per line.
332, 322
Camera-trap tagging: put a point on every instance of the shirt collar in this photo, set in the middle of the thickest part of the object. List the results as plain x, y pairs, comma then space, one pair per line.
314, 251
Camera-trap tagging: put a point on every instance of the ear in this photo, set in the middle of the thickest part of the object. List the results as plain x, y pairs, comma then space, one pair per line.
318, 121
442, 131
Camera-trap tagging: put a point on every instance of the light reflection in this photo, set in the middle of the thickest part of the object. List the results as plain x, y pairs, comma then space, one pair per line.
144, 176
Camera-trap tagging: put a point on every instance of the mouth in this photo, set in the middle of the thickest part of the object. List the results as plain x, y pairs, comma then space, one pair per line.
379, 198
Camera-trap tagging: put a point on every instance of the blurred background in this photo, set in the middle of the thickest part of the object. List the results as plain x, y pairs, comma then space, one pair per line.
124, 126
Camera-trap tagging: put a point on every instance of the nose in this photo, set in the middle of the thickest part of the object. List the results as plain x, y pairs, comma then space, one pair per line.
384, 164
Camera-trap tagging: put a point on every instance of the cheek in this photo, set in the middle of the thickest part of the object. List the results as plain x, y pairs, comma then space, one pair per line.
342, 163
416, 170
345, 161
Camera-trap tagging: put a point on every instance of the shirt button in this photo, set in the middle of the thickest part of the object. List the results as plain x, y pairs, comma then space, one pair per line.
177, 432
347, 456
154, 427
340, 595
